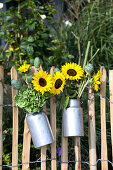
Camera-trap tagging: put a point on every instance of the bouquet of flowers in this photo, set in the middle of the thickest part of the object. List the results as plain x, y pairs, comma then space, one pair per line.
72, 80
33, 89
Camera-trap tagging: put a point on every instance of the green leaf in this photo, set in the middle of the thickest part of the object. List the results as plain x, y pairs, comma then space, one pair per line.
1, 33
1, 56
65, 101
18, 15
32, 61
37, 62
30, 39
32, 26
30, 50
44, 36
9, 17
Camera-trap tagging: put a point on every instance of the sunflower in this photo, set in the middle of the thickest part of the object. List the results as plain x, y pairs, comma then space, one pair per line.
72, 71
24, 68
42, 81
96, 80
58, 83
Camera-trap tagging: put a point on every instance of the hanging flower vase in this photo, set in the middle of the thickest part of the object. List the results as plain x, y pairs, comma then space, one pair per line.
40, 129
73, 119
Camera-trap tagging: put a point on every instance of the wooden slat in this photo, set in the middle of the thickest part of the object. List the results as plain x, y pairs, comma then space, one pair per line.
26, 146
27, 138
111, 105
104, 165
64, 149
64, 156
77, 153
53, 127
92, 130
15, 124
43, 157
1, 112
43, 150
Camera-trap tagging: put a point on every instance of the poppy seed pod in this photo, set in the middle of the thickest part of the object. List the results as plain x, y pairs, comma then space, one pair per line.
89, 68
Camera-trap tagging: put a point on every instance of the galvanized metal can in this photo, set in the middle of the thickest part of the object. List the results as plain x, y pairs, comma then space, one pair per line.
73, 119
40, 129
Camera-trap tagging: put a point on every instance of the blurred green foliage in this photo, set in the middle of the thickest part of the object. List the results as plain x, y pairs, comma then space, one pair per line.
25, 29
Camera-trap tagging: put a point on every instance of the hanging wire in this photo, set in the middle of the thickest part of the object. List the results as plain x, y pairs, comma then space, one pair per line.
97, 94
60, 162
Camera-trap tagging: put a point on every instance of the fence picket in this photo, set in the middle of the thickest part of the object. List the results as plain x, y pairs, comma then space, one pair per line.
26, 147
1, 112
43, 150
77, 153
53, 126
111, 105
92, 131
64, 156
104, 165
15, 124
43, 157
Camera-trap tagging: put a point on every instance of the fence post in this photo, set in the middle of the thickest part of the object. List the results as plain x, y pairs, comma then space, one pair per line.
64, 149
26, 147
64, 156
43, 150
1, 112
53, 126
104, 165
15, 124
111, 105
77, 153
92, 131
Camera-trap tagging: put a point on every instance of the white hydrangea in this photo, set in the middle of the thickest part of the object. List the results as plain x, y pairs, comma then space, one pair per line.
1, 5
43, 16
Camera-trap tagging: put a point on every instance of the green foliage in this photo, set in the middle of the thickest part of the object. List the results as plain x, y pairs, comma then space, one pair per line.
63, 45
29, 100
97, 26
37, 62
26, 33
65, 101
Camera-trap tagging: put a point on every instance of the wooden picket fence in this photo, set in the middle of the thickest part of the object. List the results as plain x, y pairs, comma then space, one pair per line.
77, 146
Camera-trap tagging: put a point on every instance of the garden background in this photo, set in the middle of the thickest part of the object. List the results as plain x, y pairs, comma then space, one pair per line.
60, 35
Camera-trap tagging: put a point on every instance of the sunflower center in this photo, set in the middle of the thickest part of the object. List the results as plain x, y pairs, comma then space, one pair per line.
42, 82
58, 83
71, 72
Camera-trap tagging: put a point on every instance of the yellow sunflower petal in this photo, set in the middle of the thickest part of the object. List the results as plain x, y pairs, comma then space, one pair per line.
96, 80
24, 68
58, 83
72, 71
42, 81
